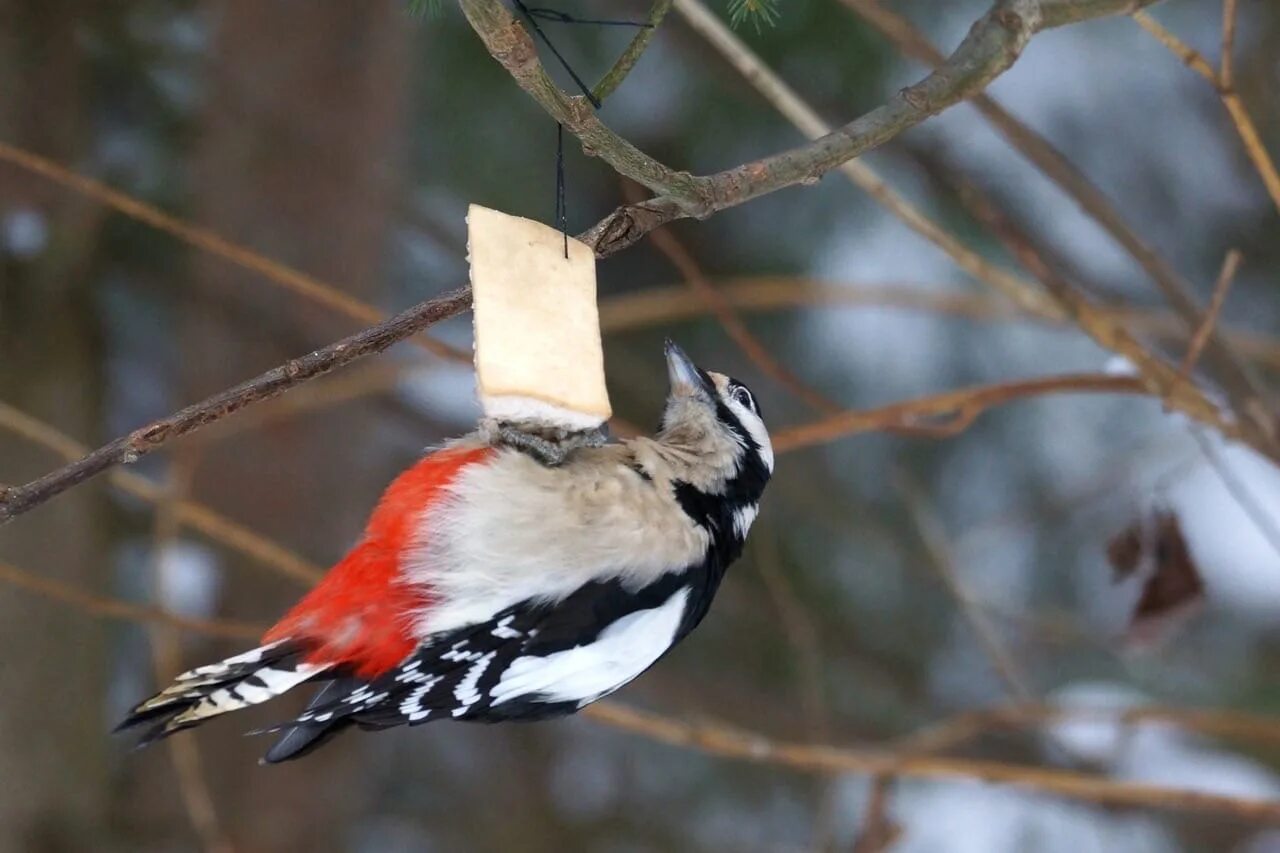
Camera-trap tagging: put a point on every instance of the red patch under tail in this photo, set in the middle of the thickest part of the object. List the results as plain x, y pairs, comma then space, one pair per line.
358, 615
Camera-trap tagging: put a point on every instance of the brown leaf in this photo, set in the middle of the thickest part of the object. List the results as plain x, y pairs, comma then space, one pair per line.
1173, 589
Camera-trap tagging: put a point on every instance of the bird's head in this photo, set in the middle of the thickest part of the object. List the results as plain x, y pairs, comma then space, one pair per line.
713, 423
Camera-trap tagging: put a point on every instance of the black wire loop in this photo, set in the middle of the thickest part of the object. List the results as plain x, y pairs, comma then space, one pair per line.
556, 16
532, 15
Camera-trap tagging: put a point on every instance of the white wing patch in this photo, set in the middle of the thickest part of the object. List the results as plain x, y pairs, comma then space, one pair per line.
743, 518
584, 673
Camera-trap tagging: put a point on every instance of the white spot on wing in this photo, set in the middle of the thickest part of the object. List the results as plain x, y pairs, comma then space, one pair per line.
743, 519
466, 692
502, 631
584, 673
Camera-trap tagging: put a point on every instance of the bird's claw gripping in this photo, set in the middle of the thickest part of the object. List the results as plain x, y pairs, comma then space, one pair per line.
550, 446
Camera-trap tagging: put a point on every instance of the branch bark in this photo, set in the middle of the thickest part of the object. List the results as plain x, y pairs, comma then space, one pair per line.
749, 746
129, 448
991, 47
1053, 164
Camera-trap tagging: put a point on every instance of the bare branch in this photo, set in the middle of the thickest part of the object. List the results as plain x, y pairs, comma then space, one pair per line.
1054, 165
207, 241
1245, 126
128, 448
1214, 722
1226, 72
749, 746
197, 516
992, 46
749, 294
631, 55
957, 409
720, 307
112, 608
934, 538
1230, 266
1254, 423
166, 657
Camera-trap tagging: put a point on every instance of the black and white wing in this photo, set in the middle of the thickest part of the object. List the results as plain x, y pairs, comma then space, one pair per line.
532, 661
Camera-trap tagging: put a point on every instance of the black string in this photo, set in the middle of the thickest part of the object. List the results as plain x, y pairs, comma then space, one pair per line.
532, 15
564, 63
562, 213
564, 18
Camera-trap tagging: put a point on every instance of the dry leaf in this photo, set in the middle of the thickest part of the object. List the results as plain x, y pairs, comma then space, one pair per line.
1155, 549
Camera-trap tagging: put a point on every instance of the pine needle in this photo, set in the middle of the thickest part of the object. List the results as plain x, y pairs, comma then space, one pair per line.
424, 8
758, 12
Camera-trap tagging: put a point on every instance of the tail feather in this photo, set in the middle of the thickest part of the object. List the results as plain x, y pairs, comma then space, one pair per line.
209, 691
299, 739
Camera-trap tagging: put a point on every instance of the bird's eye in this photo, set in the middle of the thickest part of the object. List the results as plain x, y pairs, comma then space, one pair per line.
743, 396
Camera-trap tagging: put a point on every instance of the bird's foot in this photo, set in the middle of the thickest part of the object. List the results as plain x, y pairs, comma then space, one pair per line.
548, 445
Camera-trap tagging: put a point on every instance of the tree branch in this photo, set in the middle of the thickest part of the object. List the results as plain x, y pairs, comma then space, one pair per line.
749, 746
1054, 165
215, 244
129, 448
947, 413
991, 47
631, 55
113, 608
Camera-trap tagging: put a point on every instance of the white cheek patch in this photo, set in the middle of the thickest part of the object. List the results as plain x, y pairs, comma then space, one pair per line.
755, 428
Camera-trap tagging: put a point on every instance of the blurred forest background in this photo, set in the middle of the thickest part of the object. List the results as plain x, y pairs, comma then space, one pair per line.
894, 582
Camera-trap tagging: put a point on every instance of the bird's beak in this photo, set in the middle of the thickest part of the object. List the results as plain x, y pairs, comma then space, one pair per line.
686, 379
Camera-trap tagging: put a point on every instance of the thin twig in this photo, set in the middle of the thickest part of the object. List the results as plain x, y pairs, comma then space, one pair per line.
957, 409
331, 391
774, 90
1246, 129
128, 448
752, 294
1052, 163
929, 528
1253, 424
720, 307
206, 240
197, 516
166, 655
730, 743
749, 746
879, 831
1230, 266
613, 78
1226, 73
992, 46
112, 608
806, 648
1214, 722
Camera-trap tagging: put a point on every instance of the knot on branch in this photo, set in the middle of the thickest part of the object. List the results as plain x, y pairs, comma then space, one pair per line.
154, 434
1010, 20
628, 224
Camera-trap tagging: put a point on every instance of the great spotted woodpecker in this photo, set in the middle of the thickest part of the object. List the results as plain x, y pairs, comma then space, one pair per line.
490, 586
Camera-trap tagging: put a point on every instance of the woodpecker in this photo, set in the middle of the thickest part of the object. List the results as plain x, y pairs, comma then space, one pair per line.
491, 586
